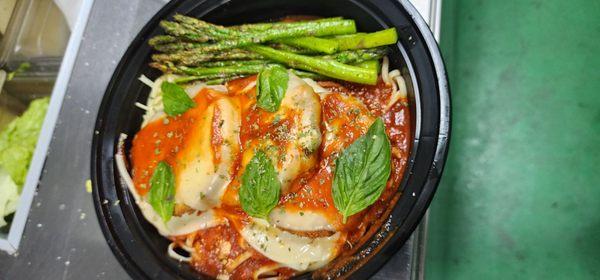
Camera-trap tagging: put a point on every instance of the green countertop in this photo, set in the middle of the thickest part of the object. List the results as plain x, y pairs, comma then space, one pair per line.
520, 196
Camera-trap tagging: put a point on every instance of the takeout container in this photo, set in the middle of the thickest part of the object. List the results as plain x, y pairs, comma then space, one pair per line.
138, 246
37, 34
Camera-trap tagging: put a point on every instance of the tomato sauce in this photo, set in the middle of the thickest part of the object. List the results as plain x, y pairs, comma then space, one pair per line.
216, 247
160, 141
398, 129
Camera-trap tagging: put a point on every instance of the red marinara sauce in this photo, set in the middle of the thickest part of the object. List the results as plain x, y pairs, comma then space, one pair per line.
215, 247
398, 129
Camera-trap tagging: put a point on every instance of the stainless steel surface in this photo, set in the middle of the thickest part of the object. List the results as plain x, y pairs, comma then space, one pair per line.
62, 237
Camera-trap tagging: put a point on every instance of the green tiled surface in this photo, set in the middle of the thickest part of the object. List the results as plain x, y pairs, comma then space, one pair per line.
520, 197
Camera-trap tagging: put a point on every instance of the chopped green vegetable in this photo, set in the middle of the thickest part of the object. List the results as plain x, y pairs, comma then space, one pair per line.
175, 99
18, 140
88, 186
9, 196
22, 68
271, 86
362, 171
259, 192
162, 191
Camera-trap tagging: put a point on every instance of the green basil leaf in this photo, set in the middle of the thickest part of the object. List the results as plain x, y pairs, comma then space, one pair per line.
271, 86
162, 191
259, 192
175, 99
362, 171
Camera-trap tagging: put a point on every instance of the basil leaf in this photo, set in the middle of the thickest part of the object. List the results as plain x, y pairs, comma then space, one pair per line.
260, 188
362, 171
271, 86
162, 191
175, 99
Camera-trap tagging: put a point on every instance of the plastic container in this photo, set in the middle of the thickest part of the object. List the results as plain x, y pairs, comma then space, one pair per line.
10, 107
137, 245
37, 34
37, 31
6, 9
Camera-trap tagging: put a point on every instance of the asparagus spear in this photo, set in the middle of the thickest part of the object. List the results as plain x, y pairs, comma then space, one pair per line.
367, 40
234, 63
253, 27
191, 46
189, 25
370, 64
209, 81
218, 81
185, 78
178, 46
330, 68
225, 70
193, 58
210, 72
220, 32
310, 75
288, 48
357, 56
306, 29
216, 31
312, 43
161, 39
178, 30
223, 80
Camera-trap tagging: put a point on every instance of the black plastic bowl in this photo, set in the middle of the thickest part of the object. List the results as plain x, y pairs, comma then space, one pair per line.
139, 247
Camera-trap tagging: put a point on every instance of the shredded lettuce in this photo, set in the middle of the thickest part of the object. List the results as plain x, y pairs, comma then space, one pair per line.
18, 140
9, 196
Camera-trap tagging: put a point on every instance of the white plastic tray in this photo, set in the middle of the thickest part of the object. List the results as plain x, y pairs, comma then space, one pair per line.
10, 242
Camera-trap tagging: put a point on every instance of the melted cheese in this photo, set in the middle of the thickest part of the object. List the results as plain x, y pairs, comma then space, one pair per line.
177, 225
200, 179
342, 129
301, 107
297, 252
154, 103
305, 220
180, 225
